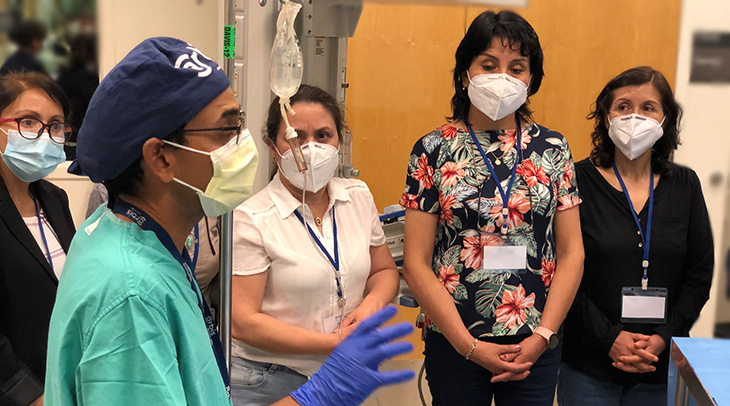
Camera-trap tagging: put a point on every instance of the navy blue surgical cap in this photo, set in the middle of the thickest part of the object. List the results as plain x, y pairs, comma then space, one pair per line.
157, 88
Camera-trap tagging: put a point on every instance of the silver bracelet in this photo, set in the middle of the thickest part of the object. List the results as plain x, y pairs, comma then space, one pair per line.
471, 350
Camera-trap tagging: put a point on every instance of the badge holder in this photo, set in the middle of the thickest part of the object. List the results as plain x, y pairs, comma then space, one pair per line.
504, 253
643, 305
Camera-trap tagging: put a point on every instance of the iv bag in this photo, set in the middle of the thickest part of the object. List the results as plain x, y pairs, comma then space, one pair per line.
286, 56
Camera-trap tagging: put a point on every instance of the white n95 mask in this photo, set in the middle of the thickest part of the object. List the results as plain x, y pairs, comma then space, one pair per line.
634, 134
321, 162
234, 169
497, 95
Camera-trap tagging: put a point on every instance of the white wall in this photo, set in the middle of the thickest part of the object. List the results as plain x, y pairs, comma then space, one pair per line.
77, 188
124, 24
705, 142
255, 30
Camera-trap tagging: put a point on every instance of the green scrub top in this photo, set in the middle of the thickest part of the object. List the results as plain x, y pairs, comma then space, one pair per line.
126, 328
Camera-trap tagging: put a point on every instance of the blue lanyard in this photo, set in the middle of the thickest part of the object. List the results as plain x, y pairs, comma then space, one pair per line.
43, 234
505, 194
336, 261
148, 223
646, 241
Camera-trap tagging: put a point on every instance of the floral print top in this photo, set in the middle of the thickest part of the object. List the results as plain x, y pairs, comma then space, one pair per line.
447, 175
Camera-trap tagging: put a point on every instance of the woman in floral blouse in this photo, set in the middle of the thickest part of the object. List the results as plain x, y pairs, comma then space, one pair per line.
480, 269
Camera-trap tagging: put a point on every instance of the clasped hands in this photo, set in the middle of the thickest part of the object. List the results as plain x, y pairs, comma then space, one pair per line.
635, 353
509, 362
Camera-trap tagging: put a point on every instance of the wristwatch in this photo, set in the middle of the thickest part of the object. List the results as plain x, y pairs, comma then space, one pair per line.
551, 338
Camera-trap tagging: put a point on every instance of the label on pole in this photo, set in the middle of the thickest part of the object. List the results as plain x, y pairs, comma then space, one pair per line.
229, 41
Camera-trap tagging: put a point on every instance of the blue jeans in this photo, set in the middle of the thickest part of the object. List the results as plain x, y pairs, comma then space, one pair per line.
455, 381
577, 388
261, 384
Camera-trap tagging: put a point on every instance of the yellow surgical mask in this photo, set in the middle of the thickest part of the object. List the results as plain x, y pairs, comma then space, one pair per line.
234, 169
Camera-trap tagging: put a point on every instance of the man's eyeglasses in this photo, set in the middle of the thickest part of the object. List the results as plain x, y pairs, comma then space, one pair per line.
32, 129
228, 132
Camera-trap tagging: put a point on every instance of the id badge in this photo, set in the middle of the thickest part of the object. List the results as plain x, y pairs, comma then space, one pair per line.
643, 306
503, 254
331, 322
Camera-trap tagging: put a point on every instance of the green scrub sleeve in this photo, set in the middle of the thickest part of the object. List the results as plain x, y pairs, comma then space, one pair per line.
130, 358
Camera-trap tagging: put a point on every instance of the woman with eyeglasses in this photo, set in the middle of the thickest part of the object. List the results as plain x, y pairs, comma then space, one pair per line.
35, 228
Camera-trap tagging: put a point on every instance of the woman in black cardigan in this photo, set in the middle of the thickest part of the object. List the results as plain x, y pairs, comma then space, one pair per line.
35, 228
648, 249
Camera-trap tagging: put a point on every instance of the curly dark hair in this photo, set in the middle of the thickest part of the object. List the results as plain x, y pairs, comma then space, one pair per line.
515, 31
602, 154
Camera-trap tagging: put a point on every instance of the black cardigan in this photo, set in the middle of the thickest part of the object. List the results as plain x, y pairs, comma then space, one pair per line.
681, 260
27, 293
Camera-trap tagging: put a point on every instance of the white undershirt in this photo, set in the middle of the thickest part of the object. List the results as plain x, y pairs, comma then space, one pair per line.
58, 256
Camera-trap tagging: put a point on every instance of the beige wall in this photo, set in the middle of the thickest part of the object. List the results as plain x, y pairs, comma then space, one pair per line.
401, 57
124, 24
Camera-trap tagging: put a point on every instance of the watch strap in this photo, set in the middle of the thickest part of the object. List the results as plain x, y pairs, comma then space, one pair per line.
549, 336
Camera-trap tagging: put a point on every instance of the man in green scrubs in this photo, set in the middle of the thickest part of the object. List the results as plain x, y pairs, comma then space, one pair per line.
130, 327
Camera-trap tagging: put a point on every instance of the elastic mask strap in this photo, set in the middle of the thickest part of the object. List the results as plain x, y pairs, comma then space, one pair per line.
6, 144
174, 144
277, 151
189, 185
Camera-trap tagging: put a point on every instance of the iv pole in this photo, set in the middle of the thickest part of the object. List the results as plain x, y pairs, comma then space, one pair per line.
226, 236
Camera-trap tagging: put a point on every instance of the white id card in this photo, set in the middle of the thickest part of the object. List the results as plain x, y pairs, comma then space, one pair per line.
643, 306
508, 257
505, 253
331, 323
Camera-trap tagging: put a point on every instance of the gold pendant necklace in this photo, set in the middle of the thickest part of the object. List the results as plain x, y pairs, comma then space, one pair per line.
497, 160
318, 221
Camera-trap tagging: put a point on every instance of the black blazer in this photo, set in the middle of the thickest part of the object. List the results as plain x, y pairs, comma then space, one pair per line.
27, 293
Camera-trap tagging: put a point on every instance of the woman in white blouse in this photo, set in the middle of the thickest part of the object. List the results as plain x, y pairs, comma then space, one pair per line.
287, 296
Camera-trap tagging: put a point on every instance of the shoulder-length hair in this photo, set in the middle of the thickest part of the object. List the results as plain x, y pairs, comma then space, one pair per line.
603, 147
514, 31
